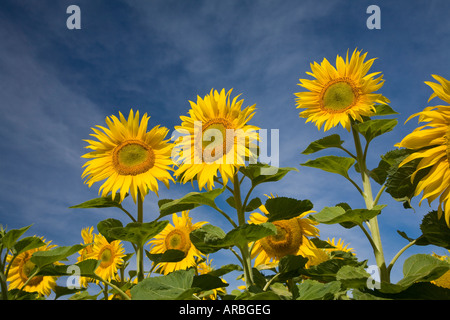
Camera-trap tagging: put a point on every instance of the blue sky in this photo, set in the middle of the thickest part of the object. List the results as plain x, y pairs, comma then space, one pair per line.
156, 55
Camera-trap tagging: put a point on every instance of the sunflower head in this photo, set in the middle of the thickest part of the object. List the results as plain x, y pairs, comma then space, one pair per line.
110, 254
291, 238
430, 146
176, 237
215, 139
339, 94
21, 268
129, 157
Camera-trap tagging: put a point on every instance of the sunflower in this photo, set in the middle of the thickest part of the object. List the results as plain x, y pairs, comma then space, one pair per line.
128, 157
339, 246
176, 237
88, 239
340, 94
110, 255
215, 139
431, 144
21, 268
291, 238
444, 280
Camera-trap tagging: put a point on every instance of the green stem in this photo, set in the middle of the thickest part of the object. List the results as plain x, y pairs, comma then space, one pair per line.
4, 287
246, 258
140, 249
119, 291
391, 264
368, 199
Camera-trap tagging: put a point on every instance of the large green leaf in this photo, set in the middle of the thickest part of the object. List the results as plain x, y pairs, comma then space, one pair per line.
26, 244
105, 225
373, 128
332, 141
176, 285
353, 276
260, 173
11, 237
209, 238
85, 268
333, 164
102, 202
399, 184
315, 290
435, 230
384, 110
189, 201
44, 258
389, 160
290, 266
137, 232
283, 208
349, 218
170, 255
422, 268
208, 282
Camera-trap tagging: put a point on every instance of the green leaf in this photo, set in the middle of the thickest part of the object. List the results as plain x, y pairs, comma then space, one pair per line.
260, 173
170, 255
384, 110
174, 286
315, 290
105, 225
422, 268
373, 128
389, 160
190, 201
137, 232
254, 204
333, 164
44, 258
398, 182
435, 230
332, 141
85, 268
208, 282
349, 218
225, 269
241, 235
102, 202
283, 208
11, 237
26, 244
209, 239
290, 266
353, 276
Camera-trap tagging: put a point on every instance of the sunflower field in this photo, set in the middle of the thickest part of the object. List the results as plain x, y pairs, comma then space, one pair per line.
275, 242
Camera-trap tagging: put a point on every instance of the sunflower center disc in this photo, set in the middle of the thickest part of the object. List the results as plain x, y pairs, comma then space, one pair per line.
26, 271
214, 137
133, 157
106, 257
177, 240
287, 240
338, 96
